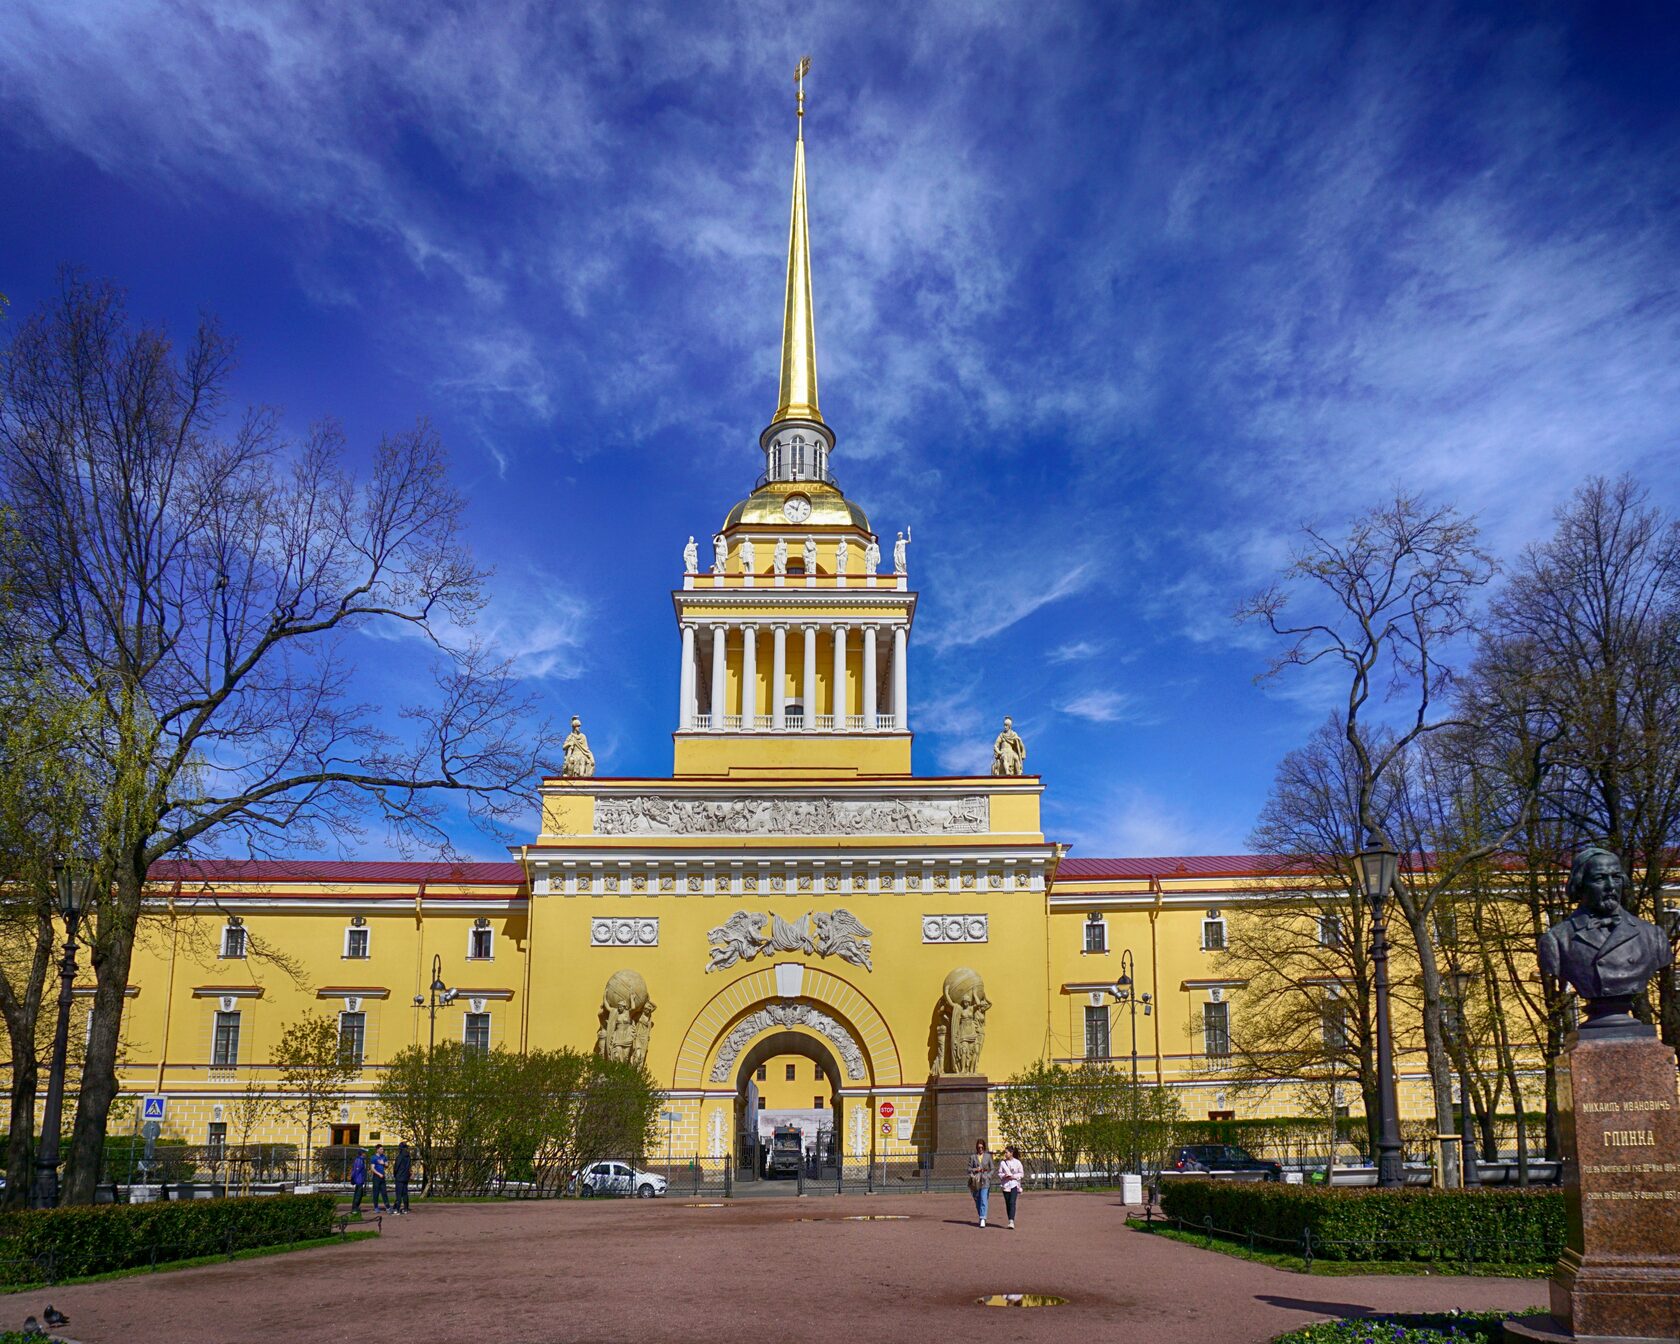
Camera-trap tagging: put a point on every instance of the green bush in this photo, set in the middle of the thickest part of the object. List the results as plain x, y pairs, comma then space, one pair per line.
1456, 1327
72, 1242
1495, 1226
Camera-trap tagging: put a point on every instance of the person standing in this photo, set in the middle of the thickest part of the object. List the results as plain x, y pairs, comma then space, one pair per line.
358, 1181
1010, 1174
980, 1178
400, 1171
380, 1165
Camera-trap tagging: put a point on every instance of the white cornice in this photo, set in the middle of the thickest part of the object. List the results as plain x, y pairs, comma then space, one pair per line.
396, 903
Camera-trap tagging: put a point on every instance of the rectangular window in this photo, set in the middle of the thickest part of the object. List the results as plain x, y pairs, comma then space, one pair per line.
478, 1031
216, 1139
1096, 1032
1096, 935
817, 1071
481, 944
790, 1072
352, 1037
1329, 930
1213, 935
224, 1050
233, 942
816, 1103
763, 1074
356, 944
1335, 1026
1216, 1030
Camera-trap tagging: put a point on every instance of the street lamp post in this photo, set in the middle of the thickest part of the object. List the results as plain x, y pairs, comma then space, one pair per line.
71, 892
1379, 864
1470, 1174
1124, 992
438, 996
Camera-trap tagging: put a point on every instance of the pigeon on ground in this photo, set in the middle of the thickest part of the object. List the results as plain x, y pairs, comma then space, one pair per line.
54, 1317
32, 1329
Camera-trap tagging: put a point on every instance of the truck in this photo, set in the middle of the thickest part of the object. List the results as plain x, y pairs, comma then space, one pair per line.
787, 1151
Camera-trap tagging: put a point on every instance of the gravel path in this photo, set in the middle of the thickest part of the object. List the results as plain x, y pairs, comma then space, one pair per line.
760, 1272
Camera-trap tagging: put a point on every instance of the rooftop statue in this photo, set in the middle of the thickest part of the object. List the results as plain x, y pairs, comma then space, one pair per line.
810, 554
899, 556
1009, 753
779, 557
720, 554
691, 558
747, 556
842, 556
872, 557
1606, 952
577, 761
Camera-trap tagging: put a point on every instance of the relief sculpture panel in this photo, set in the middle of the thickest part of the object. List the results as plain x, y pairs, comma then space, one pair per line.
652, 814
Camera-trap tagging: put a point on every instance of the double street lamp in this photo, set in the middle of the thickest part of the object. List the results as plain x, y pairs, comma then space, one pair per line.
72, 891
1379, 865
438, 996
1125, 992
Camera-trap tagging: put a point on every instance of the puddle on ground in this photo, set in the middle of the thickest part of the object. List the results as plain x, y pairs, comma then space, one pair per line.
875, 1218
1021, 1300
718, 1205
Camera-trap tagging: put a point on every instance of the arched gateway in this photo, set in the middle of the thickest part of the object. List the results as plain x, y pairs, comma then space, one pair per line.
787, 1009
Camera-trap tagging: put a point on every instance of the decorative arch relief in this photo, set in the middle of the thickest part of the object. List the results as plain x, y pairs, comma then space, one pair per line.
804, 1015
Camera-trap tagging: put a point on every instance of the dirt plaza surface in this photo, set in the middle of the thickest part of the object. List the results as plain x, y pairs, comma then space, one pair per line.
762, 1270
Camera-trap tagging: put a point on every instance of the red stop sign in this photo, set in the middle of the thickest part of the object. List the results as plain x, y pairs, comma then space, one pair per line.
886, 1110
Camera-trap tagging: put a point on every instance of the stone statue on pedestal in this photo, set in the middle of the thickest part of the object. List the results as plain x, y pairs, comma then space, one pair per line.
747, 556
872, 557
961, 1033
720, 554
842, 556
1602, 949
1009, 753
626, 1019
809, 553
779, 558
900, 559
691, 557
577, 761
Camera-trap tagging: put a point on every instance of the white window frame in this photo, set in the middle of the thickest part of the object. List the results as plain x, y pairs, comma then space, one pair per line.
466, 1029
1107, 1019
1330, 931
231, 932
351, 931
1100, 924
1224, 1007
472, 937
361, 1054
215, 1038
1215, 923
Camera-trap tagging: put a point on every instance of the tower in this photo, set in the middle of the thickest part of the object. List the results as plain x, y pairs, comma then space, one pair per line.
795, 648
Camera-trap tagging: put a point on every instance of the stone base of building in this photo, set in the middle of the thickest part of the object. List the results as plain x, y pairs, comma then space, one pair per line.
961, 1117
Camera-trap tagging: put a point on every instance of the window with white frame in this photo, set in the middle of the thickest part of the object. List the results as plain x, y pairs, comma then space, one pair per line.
352, 1038
1096, 933
1096, 1032
476, 1034
481, 942
224, 1046
216, 1139
1216, 1030
1329, 930
1213, 932
233, 941
1335, 1024
356, 942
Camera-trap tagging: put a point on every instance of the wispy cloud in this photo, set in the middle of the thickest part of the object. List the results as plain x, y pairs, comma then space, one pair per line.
1104, 706
1074, 652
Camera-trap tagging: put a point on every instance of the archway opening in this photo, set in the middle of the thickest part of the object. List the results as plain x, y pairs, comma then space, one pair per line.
787, 1108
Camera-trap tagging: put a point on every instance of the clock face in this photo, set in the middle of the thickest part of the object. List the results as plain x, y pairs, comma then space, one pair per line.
796, 508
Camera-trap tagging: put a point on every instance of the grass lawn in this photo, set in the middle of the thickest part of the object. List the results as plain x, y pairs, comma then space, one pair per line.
254, 1253
1282, 1260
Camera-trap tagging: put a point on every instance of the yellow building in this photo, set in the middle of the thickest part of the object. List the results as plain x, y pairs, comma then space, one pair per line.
790, 910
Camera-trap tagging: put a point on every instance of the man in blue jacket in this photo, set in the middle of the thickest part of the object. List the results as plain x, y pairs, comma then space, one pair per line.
358, 1182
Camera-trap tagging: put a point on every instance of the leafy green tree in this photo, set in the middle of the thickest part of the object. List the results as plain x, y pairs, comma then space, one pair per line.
314, 1072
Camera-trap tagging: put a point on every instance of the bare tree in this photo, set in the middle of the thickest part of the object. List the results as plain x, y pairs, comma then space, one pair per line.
314, 1071
1389, 604
207, 581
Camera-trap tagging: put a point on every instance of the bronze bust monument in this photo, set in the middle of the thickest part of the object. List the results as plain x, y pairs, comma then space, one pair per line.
1603, 950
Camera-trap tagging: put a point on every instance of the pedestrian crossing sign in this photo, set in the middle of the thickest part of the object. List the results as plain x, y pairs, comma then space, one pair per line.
153, 1108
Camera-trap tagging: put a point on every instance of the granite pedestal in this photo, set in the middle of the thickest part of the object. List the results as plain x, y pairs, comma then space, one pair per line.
960, 1114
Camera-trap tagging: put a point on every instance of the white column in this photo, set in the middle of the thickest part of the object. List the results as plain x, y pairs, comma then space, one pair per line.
869, 678
720, 673
810, 696
839, 678
685, 694
901, 678
778, 681
749, 677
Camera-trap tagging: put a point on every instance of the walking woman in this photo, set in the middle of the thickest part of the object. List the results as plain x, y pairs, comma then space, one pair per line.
980, 1178
1010, 1173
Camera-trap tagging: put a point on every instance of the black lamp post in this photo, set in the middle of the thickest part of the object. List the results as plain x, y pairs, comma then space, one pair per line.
439, 995
1379, 864
1123, 991
71, 893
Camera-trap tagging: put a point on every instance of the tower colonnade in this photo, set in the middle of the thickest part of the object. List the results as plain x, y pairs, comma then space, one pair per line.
853, 675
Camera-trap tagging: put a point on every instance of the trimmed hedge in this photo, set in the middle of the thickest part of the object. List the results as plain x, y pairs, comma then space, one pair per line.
1496, 1226
54, 1244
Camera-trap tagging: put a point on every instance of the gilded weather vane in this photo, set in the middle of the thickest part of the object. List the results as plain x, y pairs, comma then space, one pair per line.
799, 73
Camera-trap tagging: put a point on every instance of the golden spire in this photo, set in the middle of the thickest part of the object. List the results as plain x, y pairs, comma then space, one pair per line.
798, 397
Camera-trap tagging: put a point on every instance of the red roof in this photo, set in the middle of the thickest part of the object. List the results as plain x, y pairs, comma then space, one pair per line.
1178, 865
370, 871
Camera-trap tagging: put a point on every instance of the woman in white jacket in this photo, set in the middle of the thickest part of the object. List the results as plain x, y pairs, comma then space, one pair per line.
1009, 1174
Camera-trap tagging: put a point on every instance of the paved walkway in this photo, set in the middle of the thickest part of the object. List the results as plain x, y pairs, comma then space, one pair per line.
641, 1270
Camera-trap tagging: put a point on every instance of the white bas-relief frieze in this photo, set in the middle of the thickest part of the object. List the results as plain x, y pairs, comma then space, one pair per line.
955, 929
624, 933
790, 1015
748, 934
651, 814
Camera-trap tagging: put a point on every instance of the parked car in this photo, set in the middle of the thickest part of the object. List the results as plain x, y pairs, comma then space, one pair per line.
619, 1178
1223, 1157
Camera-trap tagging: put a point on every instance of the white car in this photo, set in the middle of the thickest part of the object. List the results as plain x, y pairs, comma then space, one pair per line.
619, 1178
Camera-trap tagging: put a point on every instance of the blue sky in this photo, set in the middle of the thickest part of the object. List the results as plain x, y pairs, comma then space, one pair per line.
1110, 298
